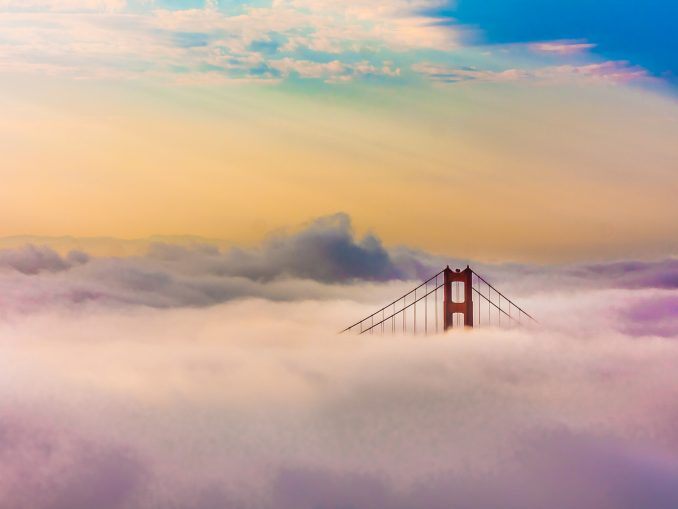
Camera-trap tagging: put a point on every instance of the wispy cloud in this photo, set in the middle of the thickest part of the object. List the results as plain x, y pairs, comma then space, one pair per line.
561, 47
95, 39
612, 72
63, 6
330, 41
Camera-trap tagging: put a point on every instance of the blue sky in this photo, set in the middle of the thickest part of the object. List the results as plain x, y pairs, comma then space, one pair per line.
641, 32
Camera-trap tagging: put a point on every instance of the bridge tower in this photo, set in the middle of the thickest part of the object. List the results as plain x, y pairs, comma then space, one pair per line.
451, 307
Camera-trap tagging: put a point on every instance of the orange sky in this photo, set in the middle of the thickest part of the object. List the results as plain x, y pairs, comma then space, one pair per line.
493, 171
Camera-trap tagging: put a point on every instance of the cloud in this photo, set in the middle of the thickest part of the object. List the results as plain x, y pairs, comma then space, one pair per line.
335, 42
215, 46
635, 274
150, 42
322, 260
611, 72
325, 250
561, 47
332, 41
63, 5
334, 71
35, 259
319, 262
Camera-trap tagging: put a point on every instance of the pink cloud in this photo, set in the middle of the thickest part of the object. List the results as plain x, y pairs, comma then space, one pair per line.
618, 72
561, 47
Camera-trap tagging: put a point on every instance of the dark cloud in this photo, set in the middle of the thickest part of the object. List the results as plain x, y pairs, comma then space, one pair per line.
35, 259
325, 250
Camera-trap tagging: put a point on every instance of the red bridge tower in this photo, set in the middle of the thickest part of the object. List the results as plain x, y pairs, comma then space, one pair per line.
451, 307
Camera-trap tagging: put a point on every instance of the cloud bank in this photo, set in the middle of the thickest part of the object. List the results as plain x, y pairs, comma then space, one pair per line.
255, 404
317, 262
322, 260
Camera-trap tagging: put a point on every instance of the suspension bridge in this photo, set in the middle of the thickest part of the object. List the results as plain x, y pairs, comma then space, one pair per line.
450, 299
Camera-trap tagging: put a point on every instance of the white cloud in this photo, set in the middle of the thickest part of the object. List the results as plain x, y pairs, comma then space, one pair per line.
334, 71
561, 47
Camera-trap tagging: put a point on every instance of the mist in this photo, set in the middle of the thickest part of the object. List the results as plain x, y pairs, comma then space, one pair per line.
256, 403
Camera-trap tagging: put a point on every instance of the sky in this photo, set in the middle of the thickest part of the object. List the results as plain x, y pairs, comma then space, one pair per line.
195, 197
546, 129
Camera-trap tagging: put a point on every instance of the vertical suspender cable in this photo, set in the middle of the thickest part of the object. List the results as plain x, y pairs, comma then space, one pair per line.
414, 330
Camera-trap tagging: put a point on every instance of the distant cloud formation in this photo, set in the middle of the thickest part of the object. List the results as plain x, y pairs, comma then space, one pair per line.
322, 260
638, 274
316, 262
608, 72
35, 259
325, 250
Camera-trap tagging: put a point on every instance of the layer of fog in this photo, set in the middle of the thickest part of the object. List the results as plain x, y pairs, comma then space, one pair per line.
256, 403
